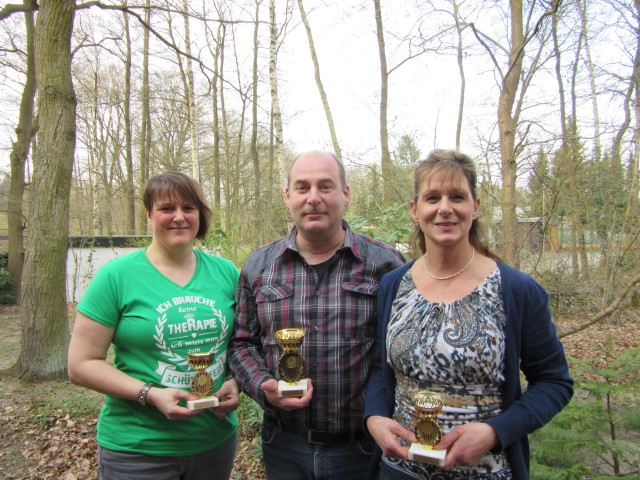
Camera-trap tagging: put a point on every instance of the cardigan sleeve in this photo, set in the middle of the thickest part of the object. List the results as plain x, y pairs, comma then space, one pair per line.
375, 392
379, 392
533, 346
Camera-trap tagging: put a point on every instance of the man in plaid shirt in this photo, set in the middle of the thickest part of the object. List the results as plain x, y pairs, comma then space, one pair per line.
322, 278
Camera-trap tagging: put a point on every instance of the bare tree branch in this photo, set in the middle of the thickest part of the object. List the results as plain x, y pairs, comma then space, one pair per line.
478, 34
602, 314
11, 8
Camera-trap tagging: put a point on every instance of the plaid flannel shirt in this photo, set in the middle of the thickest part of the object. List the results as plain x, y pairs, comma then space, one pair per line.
278, 289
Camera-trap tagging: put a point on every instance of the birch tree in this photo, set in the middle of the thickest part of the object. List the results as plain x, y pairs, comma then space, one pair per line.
276, 114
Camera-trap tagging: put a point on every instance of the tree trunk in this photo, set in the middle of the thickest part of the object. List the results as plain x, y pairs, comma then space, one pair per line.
145, 114
191, 94
45, 328
558, 57
460, 61
230, 199
507, 127
592, 78
18, 157
570, 142
323, 95
576, 181
216, 46
276, 114
630, 226
385, 155
253, 147
128, 157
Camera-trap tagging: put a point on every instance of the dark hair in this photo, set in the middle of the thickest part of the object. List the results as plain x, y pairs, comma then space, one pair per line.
178, 186
341, 170
450, 163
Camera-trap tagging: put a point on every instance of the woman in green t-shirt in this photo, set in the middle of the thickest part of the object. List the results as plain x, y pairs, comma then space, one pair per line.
158, 306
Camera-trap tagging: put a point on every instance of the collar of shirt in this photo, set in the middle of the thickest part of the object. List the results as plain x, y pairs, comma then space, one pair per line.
350, 242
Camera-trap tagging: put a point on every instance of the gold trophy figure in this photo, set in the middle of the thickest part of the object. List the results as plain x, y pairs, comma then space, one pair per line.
428, 432
202, 382
291, 366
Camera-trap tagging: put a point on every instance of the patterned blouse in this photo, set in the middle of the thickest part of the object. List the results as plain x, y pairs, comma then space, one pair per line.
457, 350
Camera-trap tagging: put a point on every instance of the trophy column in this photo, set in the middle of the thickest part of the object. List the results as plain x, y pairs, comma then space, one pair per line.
291, 366
202, 382
428, 432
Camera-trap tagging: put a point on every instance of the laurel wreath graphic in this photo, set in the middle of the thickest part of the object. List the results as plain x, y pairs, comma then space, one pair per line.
179, 359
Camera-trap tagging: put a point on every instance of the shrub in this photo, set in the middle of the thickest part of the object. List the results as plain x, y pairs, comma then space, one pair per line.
6, 285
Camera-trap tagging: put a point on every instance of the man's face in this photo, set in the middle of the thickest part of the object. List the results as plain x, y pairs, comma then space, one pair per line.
315, 197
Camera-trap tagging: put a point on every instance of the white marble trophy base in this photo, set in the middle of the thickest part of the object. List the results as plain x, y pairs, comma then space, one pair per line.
201, 403
298, 389
424, 454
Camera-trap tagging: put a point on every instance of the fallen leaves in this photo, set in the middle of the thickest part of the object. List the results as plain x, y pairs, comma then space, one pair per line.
58, 445
50, 445
43, 443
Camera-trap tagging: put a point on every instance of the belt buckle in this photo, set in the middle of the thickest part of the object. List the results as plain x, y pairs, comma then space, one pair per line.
318, 437
310, 436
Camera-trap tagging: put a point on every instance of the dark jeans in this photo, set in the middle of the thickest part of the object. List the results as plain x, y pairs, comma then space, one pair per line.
289, 457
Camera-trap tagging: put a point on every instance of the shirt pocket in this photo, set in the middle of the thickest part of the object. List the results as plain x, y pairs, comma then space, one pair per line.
274, 303
273, 293
360, 310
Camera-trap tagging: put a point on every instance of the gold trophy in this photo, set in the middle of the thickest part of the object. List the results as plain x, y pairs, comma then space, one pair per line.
291, 367
428, 432
202, 382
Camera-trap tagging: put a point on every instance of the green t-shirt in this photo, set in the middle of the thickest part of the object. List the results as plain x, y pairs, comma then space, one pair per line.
157, 323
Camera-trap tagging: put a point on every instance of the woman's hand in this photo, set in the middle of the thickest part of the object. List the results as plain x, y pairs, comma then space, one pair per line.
229, 397
167, 400
467, 444
386, 431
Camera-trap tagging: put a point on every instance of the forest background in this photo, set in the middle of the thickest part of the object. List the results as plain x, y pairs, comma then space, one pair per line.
99, 95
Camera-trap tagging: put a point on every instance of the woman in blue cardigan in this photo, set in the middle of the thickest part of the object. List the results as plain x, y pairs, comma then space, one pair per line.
459, 323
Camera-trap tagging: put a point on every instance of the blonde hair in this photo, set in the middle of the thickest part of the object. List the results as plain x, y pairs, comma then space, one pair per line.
451, 163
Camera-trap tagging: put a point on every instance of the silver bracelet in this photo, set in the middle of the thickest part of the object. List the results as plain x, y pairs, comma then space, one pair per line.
142, 394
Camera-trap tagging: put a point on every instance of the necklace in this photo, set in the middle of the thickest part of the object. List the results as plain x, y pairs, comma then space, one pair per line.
473, 252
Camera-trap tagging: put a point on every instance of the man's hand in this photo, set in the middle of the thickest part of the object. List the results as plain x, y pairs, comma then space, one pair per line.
270, 388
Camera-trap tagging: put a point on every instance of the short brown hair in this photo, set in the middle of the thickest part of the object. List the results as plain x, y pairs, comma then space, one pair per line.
341, 170
177, 185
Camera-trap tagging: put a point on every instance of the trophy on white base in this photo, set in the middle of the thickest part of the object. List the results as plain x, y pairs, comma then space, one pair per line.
202, 382
291, 366
428, 432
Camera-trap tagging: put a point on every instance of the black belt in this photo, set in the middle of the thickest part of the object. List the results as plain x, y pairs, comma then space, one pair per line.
317, 436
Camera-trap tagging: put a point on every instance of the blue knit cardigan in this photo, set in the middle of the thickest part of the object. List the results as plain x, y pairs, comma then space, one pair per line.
531, 346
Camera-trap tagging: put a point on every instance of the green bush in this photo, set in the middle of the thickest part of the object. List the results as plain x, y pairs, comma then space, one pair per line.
249, 424
596, 436
7, 297
249, 416
391, 225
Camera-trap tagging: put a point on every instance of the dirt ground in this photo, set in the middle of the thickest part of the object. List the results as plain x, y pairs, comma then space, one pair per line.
47, 431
